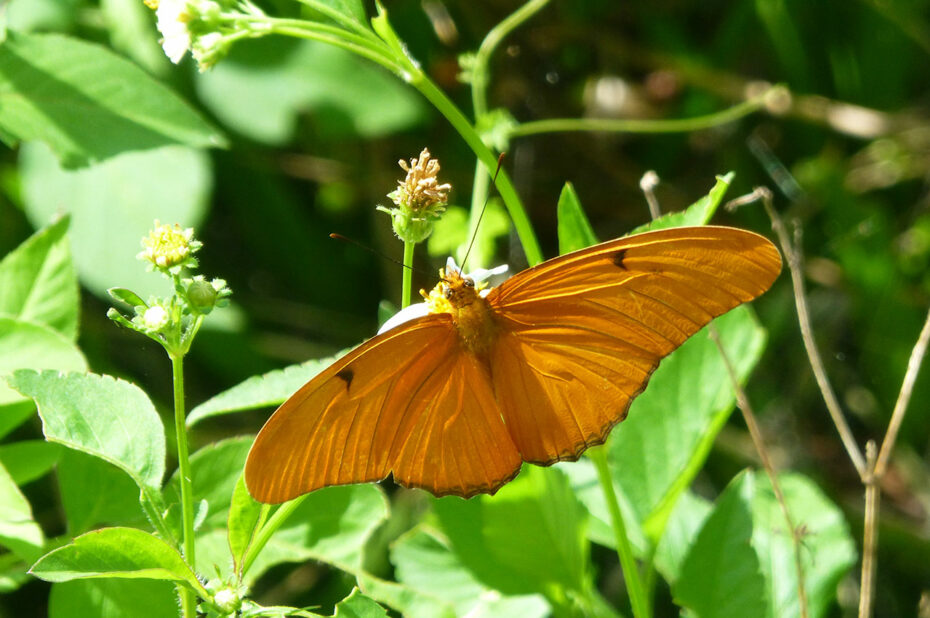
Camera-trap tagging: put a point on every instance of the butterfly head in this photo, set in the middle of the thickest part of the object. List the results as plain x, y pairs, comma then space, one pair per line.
462, 297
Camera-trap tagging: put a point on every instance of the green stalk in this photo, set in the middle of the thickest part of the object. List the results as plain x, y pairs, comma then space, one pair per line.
507, 191
188, 602
634, 586
408, 274
264, 535
494, 37
615, 125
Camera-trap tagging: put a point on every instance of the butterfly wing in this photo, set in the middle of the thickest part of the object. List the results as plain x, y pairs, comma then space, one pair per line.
580, 335
410, 401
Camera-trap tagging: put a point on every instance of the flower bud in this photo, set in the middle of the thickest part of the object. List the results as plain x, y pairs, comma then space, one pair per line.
202, 296
155, 318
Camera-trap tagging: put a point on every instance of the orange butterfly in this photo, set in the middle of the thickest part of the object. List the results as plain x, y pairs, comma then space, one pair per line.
537, 369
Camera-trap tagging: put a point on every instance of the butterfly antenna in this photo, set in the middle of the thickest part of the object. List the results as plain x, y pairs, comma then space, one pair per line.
471, 243
336, 236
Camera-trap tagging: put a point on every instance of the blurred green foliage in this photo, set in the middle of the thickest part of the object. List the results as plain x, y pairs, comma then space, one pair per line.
313, 139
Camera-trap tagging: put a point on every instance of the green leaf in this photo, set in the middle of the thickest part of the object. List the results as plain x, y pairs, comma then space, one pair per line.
18, 531
528, 538
39, 283
348, 10
684, 523
699, 213
424, 563
87, 103
244, 517
29, 459
264, 86
113, 206
357, 605
130, 27
584, 480
575, 232
827, 549
721, 575
269, 389
214, 471
116, 552
14, 572
35, 15
34, 346
14, 414
127, 296
79, 478
330, 525
101, 416
113, 598
658, 450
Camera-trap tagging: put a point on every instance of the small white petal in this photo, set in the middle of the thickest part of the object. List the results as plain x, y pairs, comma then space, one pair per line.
172, 23
416, 310
155, 317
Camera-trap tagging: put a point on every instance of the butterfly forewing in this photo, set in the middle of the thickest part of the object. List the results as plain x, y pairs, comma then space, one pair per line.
580, 335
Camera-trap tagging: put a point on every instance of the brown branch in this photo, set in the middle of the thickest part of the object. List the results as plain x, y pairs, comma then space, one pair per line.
904, 398
794, 260
869, 536
756, 433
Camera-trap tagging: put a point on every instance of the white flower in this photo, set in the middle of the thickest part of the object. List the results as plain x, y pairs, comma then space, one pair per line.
418, 310
155, 317
173, 19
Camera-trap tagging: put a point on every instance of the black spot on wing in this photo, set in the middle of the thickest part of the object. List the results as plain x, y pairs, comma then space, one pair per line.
618, 259
346, 376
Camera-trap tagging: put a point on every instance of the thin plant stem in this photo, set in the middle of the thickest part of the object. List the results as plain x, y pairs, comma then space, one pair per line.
507, 191
869, 535
188, 602
408, 274
634, 585
271, 526
793, 257
619, 125
904, 398
479, 98
755, 432
493, 38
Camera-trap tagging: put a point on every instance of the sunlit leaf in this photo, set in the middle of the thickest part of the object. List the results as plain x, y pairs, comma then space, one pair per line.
87, 103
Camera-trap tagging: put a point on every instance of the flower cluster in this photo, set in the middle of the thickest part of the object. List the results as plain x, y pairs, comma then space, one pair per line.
206, 28
170, 248
420, 199
174, 320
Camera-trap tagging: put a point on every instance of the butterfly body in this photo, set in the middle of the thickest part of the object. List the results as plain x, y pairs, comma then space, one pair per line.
535, 370
474, 320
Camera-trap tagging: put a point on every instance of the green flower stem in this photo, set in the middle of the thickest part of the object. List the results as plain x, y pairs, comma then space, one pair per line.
264, 535
609, 125
188, 602
408, 274
357, 45
479, 193
479, 99
507, 191
498, 33
624, 551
